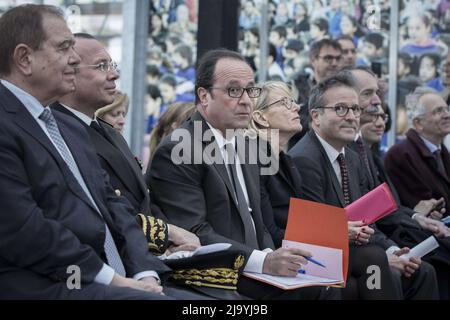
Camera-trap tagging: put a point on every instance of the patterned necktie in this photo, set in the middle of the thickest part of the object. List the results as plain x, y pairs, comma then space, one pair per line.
440, 163
112, 254
344, 177
365, 157
250, 235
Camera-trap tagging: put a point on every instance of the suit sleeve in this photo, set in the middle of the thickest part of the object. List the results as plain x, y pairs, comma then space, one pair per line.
29, 239
276, 232
312, 179
400, 169
177, 189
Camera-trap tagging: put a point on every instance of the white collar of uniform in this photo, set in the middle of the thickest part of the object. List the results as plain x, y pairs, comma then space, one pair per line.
331, 152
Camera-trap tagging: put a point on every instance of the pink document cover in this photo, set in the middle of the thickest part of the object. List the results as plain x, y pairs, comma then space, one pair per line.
373, 206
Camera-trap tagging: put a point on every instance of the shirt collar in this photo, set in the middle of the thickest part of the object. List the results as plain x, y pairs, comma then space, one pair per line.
431, 146
86, 119
331, 152
30, 102
221, 141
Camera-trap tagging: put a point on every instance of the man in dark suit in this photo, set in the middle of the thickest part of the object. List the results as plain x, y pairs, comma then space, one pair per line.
419, 166
204, 187
95, 78
334, 174
58, 212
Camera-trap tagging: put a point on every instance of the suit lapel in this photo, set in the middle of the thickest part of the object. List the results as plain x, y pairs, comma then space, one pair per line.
352, 178
329, 170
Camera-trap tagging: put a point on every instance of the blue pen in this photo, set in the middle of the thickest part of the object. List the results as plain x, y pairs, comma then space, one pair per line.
315, 261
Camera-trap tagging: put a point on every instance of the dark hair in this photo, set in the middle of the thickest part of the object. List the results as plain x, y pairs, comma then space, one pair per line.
295, 45
272, 52
23, 24
434, 57
317, 95
84, 35
153, 71
321, 23
406, 58
281, 30
374, 38
153, 91
185, 51
345, 37
169, 79
207, 65
318, 45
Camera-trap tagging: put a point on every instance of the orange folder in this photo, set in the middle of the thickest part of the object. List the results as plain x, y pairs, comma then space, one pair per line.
372, 206
318, 224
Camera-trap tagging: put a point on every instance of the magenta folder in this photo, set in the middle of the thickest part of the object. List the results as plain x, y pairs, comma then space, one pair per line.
373, 206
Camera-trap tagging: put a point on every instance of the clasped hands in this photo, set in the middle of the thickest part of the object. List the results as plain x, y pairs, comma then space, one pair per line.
358, 232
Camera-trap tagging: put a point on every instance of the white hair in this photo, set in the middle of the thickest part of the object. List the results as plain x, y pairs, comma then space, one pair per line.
414, 107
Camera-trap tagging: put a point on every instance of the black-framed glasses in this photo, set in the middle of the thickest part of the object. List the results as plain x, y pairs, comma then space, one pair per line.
373, 117
285, 101
342, 109
237, 92
329, 58
102, 66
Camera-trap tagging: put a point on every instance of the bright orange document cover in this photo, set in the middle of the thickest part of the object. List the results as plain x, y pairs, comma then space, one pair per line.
319, 224
372, 206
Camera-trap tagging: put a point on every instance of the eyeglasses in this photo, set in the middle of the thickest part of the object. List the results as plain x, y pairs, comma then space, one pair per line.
342, 110
329, 58
237, 92
102, 66
285, 101
374, 117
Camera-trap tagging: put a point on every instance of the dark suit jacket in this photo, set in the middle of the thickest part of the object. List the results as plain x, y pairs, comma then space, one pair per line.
319, 182
400, 217
199, 196
47, 223
276, 191
121, 165
413, 170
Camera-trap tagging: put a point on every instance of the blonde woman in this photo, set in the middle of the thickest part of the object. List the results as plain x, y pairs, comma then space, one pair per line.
275, 119
115, 112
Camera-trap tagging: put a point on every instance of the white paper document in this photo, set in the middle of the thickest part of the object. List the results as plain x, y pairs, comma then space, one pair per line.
423, 248
315, 275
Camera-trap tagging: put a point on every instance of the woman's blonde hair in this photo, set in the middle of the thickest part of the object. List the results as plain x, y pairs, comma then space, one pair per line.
264, 100
177, 113
119, 99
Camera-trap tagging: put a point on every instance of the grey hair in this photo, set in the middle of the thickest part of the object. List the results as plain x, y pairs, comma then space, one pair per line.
414, 108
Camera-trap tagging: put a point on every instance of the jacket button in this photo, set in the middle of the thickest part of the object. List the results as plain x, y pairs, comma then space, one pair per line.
118, 193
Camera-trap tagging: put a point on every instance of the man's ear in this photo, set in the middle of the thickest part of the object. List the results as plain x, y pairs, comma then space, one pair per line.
260, 119
22, 58
314, 114
202, 94
416, 124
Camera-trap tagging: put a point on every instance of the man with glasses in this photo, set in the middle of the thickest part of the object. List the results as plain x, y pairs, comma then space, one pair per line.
325, 57
204, 185
334, 174
404, 220
419, 166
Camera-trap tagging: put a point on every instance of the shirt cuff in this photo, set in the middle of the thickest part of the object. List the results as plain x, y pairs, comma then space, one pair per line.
256, 261
145, 274
391, 250
105, 275
413, 216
